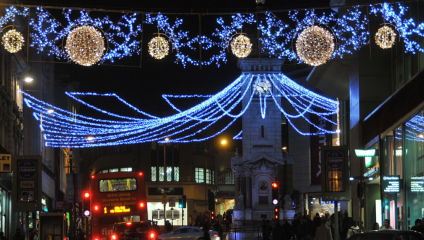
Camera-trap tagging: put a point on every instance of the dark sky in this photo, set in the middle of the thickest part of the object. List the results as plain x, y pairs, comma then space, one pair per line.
143, 86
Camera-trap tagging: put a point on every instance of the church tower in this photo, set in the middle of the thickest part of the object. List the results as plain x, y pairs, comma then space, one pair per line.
257, 168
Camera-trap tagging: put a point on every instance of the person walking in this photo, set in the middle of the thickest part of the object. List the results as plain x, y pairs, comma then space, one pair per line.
376, 226
323, 232
352, 230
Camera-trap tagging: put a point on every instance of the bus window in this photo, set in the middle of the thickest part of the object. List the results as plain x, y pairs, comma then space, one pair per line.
117, 185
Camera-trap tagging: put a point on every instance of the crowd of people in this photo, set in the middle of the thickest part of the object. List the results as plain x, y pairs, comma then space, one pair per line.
321, 227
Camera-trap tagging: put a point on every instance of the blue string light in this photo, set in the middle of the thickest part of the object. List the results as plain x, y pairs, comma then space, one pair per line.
62, 128
11, 13
120, 36
238, 136
353, 24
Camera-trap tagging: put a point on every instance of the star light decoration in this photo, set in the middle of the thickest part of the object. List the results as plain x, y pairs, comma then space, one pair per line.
85, 45
241, 46
120, 36
385, 37
62, 128
13, 41
405, 27
315, 45
158, 47
349, 32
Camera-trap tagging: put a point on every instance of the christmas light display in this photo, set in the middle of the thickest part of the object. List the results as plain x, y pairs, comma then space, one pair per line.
241, 46
13, 41
48, 33
315, 45
238, 136
158, 47
405, 27
385, 37
63, 128
277, 38
414, 129
85, 45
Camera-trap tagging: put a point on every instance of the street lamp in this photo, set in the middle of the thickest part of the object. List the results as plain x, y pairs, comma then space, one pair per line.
28, 79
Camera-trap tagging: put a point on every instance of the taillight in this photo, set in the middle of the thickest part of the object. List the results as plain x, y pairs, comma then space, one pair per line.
96, 207
96, 238
140, 174
92, 176
141, 204
152, 235
129, 223
215, 235
114, 237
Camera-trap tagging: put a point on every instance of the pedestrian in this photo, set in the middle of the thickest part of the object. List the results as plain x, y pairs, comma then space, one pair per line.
286, 230
265, 229
386, 225
417, 227
17, 234
2, 237
276, 231
323, 232
295, 227
376, 226
206, 235
352, 230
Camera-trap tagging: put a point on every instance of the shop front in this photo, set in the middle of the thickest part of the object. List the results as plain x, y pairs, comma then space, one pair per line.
402, 182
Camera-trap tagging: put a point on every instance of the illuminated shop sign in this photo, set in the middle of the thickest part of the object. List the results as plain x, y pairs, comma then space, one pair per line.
391, 184
417, 184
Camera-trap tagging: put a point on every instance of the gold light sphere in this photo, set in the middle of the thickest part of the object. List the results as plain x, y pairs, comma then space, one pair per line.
241, 46
158, 47
315, 45
13, 41
385, 37
85, 45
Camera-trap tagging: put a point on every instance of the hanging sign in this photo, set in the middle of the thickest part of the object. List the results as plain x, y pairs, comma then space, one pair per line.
391, 184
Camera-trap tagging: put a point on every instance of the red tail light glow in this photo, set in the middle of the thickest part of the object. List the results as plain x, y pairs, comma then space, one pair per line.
141, 204
96, 238
215, 235
113, 237
96, 207
92, 176
152, 235
140, 174
129, 223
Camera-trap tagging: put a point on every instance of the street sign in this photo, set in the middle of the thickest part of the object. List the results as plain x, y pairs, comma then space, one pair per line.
164, 198
26, 191
171, 201
6, 163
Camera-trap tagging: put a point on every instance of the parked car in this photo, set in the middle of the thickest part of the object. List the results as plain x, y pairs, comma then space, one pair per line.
143, 230
388, 235
188, 233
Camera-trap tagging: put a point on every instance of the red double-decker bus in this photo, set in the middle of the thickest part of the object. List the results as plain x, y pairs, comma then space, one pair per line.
116, 197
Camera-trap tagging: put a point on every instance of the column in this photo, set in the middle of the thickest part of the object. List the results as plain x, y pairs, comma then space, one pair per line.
248, 189
237, 185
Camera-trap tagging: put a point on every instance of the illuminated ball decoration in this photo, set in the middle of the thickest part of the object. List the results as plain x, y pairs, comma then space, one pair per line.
385, 37
315, 45
241, 46
85, 45
13, 41
158, 47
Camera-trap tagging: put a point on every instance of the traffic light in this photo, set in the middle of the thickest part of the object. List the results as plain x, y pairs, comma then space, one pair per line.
184, 201
212, 215
277, 213
86, 203
180, 203
274, 193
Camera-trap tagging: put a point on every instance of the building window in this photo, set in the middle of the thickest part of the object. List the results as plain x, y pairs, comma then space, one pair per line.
176, 174
168, 174
128, 169
213, 177
161, 174
114, 170
226, 177
153, 173
262, 131
208, 176
200, 175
